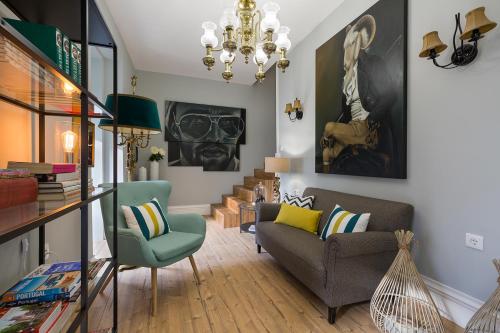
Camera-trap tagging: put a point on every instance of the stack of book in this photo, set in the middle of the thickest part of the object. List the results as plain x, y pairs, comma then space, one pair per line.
56, 181
17, 187
45, 299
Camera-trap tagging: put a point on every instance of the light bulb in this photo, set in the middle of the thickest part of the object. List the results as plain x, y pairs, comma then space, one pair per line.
68, 88
270, 21
260, 56
283, 42
226, 57
69, 141
209, 38
229, 19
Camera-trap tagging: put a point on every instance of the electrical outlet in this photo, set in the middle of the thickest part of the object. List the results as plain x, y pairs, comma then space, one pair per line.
46, 251
474, 241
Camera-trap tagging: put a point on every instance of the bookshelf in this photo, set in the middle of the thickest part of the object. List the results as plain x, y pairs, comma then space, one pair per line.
33, 82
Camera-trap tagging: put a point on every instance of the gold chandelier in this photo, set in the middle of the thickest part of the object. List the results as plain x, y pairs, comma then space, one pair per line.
242, 28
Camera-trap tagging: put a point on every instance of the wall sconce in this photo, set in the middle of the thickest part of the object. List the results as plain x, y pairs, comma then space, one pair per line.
296, 108
69, 139
477, 24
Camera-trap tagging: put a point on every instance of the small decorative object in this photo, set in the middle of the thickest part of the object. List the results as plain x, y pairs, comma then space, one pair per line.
487, 318
476, 26
277, 165
402, 303
249, 31
137, 120
362, 131
69, 140
213, 142
143, 174
259, 192
296, 108
76, 123
157, 154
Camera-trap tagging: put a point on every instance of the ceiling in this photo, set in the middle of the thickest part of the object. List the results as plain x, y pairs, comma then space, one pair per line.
164, 35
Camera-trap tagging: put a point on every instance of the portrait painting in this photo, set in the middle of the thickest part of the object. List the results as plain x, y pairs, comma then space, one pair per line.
361, 95
203, 135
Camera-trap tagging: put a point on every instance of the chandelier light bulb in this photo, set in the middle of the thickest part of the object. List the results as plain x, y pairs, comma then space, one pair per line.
260, 56
226, 57
209, 39
229, 19
283, 42
270, 21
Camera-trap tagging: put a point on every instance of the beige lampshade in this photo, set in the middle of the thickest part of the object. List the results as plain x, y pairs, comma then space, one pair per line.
477, 20
277, 164
432, 42
297, 105
288, 108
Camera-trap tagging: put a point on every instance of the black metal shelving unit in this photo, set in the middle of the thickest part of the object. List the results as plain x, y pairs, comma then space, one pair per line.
82, 21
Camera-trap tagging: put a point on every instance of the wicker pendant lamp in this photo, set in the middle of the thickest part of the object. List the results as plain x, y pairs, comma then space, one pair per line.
487, 318
402, 303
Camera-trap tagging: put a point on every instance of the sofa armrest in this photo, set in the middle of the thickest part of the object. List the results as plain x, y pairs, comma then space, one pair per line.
345, 245
190, 223
265, 212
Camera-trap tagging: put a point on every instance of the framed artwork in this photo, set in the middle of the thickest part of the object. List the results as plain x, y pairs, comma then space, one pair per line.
204, 135
76, 121
361, 95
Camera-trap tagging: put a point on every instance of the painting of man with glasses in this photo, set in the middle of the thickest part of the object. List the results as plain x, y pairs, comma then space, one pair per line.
204, 135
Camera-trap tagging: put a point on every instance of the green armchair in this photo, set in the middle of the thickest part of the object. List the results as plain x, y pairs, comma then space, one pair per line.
185, 238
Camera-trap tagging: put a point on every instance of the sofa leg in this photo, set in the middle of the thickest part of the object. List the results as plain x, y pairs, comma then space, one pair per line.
259, 248
332, 313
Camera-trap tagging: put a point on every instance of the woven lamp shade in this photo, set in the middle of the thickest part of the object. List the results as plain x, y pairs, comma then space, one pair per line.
476, 20
487, 318
402, 302
135, 113
277, 164
431, 41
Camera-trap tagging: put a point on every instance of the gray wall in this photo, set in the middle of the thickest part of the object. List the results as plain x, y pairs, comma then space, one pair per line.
63, 234
191, 185
453, 131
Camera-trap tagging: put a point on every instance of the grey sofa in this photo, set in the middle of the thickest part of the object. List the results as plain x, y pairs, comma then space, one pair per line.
346, 268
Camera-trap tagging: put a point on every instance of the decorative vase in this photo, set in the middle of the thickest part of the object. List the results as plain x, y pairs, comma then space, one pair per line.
259, 192
402, 303
154, 170
487, 318
143, 174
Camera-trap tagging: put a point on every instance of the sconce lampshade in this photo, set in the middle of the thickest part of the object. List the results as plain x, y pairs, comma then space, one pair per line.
134, 113
288, 108
297, 105
277, 164
477, 20
432, 42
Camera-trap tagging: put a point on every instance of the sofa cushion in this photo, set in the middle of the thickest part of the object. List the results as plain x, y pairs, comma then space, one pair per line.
303, 248
300, 218
342, 221
173, 244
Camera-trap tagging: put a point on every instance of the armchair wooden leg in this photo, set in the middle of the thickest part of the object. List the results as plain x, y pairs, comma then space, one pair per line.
195, 269
154, 290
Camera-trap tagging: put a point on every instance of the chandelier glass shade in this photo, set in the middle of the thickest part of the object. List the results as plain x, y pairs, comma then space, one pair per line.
250, 31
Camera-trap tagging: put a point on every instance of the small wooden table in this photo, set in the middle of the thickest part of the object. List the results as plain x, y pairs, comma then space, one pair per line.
245, 209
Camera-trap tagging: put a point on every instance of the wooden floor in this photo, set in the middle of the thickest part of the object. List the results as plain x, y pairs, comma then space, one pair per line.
241, 291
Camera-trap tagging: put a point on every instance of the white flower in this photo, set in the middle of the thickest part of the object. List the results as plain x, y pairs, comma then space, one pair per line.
154, 150
162, 152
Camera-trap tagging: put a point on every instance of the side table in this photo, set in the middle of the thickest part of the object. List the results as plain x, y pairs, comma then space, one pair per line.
246, 209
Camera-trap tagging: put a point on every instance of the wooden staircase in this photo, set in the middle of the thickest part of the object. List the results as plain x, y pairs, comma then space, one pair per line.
227, 213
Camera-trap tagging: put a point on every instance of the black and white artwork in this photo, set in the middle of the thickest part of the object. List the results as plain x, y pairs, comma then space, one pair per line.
361, 95
204, 135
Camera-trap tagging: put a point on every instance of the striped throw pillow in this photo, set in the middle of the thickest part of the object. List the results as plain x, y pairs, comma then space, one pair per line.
342, 221
147, 218
302, 202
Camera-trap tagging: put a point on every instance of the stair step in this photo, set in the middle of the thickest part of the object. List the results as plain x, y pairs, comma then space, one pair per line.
232, 202
224, 216
261, 174
243, 193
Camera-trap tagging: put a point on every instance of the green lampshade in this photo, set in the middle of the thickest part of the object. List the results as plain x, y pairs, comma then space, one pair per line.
136, 113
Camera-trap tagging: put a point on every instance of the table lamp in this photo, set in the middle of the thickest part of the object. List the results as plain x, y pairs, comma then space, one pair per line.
277, 165
137, 120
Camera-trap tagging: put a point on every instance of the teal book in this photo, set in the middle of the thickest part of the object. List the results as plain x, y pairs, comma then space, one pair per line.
66, 54
47, 38
75, 67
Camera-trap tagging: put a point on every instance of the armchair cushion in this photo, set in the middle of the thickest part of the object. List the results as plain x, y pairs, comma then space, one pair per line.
147, 218
174, 244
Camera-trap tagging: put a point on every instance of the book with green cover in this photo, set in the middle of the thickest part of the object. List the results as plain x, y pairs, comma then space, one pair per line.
75, 66
66, 54
47, 38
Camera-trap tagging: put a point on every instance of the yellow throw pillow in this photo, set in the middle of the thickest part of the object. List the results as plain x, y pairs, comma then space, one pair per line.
301, 218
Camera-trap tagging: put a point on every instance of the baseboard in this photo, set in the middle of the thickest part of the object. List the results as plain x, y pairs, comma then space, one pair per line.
453, 304
198, 209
